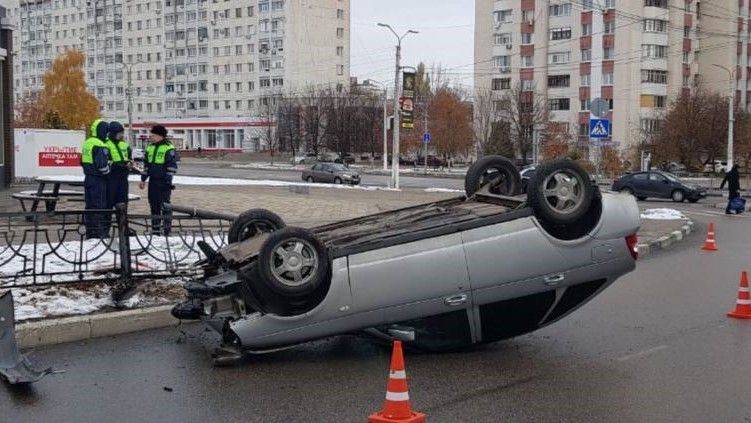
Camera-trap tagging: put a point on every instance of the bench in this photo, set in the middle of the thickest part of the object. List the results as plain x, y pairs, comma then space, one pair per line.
51, 198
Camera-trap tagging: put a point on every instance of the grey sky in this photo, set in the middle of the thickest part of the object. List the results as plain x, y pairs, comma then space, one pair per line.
446, 36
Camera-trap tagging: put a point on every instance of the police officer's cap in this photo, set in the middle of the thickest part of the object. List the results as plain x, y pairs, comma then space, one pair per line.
159, 130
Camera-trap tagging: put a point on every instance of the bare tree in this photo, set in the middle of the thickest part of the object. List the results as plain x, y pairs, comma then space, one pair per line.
289, 125
268, 111
485, 116
524, 111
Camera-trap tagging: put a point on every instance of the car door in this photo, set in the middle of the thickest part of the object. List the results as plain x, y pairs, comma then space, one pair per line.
315, 172
659, 185
328, 173
413, 280
509, 263
639, 183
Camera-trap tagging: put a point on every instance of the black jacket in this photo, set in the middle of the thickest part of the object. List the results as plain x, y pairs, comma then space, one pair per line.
733, 179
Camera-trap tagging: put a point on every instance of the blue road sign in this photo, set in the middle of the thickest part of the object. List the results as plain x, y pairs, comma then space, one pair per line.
599, 128
426, 137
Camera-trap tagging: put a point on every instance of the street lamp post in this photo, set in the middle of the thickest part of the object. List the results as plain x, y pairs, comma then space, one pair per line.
397, 120
731, 117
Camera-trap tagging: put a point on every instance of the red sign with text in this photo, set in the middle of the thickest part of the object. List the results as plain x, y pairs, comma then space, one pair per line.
59, 159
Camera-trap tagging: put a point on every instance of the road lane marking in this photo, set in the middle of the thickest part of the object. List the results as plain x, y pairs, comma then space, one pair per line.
643, 353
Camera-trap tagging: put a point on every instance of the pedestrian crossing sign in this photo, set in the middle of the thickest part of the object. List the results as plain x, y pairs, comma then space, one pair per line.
599, 128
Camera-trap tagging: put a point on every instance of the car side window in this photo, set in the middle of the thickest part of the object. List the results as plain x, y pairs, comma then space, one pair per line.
656, 177
317, 168
640, 177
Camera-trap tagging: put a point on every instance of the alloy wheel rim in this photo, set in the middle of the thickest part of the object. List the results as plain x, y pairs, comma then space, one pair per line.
294, 262
563, 191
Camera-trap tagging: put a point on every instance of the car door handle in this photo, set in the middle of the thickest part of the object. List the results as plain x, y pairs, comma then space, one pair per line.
456, 300
555, 280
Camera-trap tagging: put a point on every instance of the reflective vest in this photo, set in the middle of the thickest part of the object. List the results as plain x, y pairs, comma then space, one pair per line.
118, 151
94, 126
157, 154
87, 152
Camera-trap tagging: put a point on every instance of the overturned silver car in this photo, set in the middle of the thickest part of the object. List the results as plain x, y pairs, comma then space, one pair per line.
475, 269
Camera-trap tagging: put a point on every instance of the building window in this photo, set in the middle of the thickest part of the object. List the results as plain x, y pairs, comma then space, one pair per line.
528, 85
586, 29
560, 9
653, 101
655, 25
559, 58
585, 104
528, 61
340, 33
559, 104
610, 4
502, 39
649, 126
501, 84
607, 78
686, 57
502, 16
607, 53
585, 80
587, 55
656, 3
654, 51
654, 76
501, 62
527, 38
559, 81
560, 33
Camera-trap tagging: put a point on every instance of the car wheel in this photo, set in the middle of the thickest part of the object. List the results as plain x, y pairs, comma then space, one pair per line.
338, 181
293, 262
496, 171
641, 198
678, 196
560, 192
310, 179
253, 222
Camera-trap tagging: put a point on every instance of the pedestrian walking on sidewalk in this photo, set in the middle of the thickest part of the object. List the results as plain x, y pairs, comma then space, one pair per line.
161, 165
733, 180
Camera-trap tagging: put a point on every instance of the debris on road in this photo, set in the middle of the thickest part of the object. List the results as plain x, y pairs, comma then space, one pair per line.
14, 367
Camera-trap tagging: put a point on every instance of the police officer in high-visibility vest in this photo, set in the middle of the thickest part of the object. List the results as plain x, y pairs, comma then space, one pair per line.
161, 165
120, 153
95, 160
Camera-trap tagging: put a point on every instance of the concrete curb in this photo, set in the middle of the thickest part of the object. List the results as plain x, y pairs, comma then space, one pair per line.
79, 328
667, 241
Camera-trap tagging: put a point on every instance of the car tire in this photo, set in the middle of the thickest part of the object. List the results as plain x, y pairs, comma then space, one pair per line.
678, 196
498, 171
338, 181
561, 192
252, 222
641, 198
693, 200
293, 262
310, 179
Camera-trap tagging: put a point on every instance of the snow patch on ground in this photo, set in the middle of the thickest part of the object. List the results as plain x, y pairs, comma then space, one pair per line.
73, 300
443, 190
662, 214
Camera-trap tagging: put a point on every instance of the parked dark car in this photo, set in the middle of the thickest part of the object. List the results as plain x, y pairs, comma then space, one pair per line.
657, 184
332, 173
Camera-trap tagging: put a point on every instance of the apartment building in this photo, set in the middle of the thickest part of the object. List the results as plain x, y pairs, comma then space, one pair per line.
725, 60
199, 62
637, 54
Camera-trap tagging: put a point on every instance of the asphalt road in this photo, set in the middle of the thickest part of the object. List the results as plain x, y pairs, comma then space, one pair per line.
220, 170
655, 347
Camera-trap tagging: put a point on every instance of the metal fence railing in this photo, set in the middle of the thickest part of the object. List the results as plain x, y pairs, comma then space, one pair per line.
41, 249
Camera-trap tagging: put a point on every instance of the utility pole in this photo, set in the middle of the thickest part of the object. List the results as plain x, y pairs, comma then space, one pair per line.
129, 94
731, 117
397, 120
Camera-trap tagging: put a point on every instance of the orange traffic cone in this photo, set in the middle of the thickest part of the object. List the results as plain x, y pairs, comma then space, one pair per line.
710, 244
743, 305
397, 407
